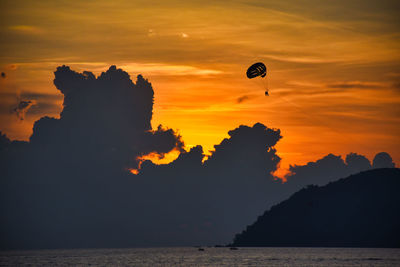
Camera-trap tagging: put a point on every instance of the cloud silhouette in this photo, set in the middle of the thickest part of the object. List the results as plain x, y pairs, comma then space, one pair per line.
383, 160
331, 168
320, 172
109, 115
71, 185
208, 201
357, 163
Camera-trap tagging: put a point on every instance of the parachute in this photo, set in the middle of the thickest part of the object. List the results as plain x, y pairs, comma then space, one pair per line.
255, 70
259, 71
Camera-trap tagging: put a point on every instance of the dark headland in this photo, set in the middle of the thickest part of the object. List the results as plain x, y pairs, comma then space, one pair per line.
362, 210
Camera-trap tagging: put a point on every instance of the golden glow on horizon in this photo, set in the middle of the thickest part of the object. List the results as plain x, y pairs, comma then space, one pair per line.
334, 71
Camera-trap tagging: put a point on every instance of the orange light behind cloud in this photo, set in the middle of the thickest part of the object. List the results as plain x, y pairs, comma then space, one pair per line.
333, 83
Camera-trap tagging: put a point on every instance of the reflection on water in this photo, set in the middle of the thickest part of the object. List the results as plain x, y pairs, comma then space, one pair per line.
208, 257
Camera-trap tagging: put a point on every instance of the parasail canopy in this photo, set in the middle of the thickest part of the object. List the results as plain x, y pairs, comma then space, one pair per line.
256, 70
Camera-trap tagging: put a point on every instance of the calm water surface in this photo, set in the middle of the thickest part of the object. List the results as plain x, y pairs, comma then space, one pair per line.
209, 257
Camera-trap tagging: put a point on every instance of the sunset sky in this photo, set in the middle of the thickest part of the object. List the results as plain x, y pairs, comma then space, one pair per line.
333, 69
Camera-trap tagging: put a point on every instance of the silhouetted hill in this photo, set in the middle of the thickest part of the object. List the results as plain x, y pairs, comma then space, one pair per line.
362, 210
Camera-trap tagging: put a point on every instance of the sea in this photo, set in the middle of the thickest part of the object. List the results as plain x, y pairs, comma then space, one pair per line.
204, 256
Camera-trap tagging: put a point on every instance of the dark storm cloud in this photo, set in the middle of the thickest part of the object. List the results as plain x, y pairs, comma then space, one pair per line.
70, 185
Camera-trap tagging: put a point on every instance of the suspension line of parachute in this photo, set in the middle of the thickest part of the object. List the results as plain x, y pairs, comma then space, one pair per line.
259, 71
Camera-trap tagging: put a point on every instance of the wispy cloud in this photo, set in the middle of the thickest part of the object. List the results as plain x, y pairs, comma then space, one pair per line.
22, 108
327, 87
300, 59
166, 69
144, 68
26, 29
356, 84
244, 98
304, 83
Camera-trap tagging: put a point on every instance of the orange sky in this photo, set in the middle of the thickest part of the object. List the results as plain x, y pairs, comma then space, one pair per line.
334, 70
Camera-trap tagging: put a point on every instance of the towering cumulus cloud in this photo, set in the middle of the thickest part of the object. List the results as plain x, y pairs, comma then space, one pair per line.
109, 116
